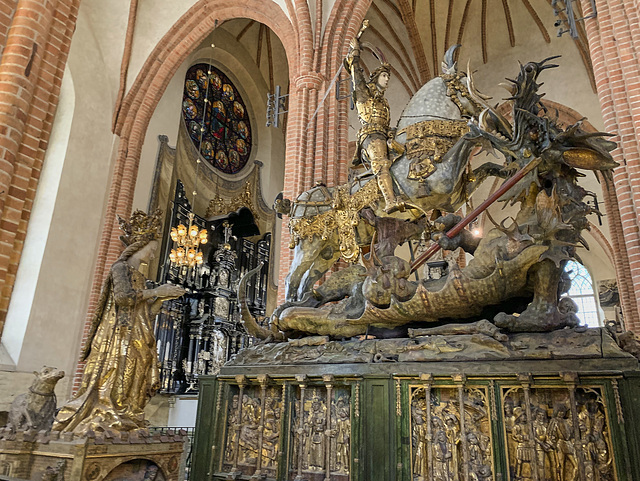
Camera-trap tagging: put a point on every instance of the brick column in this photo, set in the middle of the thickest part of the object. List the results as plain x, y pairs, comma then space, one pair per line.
614, 44
317, 149
7, 11
299, 160
31, 69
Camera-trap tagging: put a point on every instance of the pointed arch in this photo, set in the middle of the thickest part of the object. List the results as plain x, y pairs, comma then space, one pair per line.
147, 89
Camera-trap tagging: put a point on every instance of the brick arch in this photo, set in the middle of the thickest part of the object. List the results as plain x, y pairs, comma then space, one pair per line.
145, 93
602, 241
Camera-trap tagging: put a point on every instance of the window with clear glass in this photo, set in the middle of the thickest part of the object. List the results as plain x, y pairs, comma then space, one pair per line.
583, 294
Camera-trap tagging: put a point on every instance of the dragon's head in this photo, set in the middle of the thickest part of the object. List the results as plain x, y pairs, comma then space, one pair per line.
524, 90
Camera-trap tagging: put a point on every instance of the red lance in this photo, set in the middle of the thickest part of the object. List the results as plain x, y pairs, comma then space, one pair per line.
455, 230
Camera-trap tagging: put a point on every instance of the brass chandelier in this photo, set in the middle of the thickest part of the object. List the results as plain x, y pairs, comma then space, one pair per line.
187, 242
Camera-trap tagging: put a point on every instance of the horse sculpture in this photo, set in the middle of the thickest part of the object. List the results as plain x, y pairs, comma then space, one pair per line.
326, 223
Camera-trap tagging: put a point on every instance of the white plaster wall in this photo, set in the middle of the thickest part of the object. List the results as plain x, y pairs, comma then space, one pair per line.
183, 412
107, 22
38, 229
283, 6
70, 202
172, 411
154, 19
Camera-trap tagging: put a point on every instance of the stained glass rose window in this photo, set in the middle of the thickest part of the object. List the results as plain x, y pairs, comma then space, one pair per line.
216, 118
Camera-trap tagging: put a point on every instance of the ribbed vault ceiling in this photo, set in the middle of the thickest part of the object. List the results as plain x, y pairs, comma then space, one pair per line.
415, 34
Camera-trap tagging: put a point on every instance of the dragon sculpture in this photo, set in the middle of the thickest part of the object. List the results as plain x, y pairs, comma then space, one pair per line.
516, 273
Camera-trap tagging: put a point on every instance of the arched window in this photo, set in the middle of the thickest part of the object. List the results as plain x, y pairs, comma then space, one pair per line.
583, 294
216, 118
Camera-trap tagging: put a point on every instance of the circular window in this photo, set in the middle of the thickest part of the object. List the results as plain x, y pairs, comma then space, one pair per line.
216, 118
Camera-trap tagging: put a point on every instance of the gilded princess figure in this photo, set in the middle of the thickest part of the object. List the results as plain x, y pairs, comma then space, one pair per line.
121, 372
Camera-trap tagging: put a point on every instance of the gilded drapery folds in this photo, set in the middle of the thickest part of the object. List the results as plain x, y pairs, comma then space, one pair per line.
121, 371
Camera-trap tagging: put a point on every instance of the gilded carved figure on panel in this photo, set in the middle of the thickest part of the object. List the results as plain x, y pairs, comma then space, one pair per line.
342, 433
298, 434
588, 454
452, 430
441, 457
420, 442
594, 441
121, 372
249, 431
232, 429
545, 456
509, 424
479, 470
560, 435
316, 425
271, 433
524, 443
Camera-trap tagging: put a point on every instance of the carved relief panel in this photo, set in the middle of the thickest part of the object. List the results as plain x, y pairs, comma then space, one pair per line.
557, 434
253, 425
450, 433
321, 433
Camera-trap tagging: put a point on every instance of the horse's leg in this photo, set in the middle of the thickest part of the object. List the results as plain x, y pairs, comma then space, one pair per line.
302, 259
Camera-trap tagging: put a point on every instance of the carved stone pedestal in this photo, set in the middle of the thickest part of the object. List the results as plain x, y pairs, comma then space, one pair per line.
558, 406
33, 456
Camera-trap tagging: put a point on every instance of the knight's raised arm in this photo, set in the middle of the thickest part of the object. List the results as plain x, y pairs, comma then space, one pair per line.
361, 92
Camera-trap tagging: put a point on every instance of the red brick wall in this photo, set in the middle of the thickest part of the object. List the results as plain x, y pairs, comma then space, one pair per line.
614, 44
31, 69
7, 10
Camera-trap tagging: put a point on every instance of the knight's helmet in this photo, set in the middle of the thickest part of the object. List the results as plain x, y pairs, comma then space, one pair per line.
384, 67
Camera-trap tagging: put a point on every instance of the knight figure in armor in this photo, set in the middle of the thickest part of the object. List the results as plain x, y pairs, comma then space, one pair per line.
375, 136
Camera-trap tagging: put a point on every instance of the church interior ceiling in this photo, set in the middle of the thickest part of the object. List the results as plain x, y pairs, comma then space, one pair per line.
414, 35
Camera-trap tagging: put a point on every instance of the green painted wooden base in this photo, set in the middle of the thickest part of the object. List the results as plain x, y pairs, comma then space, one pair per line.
527, 419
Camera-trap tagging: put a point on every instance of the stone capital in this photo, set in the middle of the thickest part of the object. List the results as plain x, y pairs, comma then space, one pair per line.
309, 80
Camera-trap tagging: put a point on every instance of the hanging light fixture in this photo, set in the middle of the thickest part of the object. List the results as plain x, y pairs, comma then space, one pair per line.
187, 240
